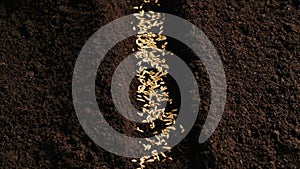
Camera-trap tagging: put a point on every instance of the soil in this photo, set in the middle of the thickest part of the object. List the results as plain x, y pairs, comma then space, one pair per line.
258, 42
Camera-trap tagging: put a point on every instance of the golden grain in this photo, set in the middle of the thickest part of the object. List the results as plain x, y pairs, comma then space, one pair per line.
138, 129
152, 90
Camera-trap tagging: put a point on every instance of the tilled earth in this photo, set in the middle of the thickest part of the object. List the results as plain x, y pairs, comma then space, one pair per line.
258, 42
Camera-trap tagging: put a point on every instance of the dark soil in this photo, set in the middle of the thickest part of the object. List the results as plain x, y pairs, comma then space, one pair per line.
258, 42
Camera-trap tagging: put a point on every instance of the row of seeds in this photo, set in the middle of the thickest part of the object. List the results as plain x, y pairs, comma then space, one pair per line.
152, 90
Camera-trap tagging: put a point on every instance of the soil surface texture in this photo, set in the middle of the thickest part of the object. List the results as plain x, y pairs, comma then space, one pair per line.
258, 42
